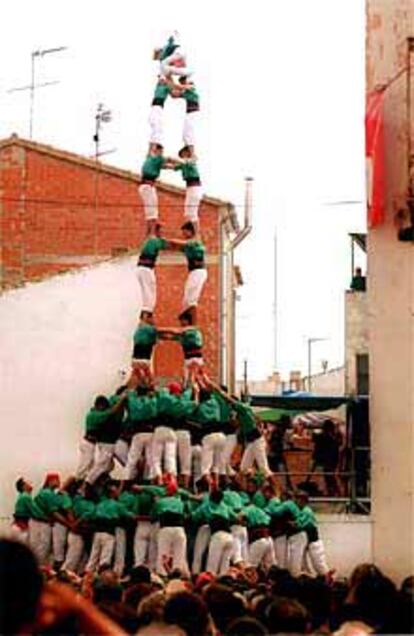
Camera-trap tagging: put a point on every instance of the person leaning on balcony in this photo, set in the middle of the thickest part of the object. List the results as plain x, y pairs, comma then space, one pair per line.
359, 282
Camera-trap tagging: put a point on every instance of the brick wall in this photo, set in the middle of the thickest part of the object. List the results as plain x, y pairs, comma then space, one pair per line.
60, 214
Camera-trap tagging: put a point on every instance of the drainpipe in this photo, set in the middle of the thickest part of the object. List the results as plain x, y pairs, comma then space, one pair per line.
230, 300
248, 209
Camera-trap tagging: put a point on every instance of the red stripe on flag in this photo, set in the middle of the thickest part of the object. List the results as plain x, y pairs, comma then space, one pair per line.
374, 154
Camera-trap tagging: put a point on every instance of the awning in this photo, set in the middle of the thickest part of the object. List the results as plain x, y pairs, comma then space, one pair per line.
300, 404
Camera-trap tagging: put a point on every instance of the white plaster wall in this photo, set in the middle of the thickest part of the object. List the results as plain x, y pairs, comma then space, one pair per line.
62, 341
347, 540
356, 335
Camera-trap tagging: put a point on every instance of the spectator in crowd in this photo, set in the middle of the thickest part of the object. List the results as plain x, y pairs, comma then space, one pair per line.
277, 445
325, 455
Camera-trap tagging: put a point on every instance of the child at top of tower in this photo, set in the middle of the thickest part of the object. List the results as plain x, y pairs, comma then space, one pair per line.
172, 58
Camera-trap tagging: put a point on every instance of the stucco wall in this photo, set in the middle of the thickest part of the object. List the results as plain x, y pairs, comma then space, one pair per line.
391, 305
62, 341
356, 335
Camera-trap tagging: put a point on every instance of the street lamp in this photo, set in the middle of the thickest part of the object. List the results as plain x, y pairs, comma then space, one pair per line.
310, 343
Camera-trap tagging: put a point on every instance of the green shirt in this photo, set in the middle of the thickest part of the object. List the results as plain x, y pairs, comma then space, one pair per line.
189, 170
145, 335
245, 417
207, 411
191, 339
64, 500
151, 247
169, 504
233, 500
144, 504
168, 49
111, 510
191, 95
23, 506
259, 500
306, 518
94, 420
161, 93
290, 510
225, 408
255, 516
128, 500
83, 508
141, 407
194, 251
44, 504
273, 507
152, 166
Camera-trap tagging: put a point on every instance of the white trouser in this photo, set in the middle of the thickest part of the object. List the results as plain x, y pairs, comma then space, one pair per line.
121, 451
164, 444
172, 542
255, 452
59, 538
142, 539
156, 124
40, 539
140, 445
153, 546
189, 127
229, 446
280, 546
200, 547
16, 533
120, 549
196, 461
149, 198
316, 551
103, 461
147, 288
74, 552
219, 553
193, 196
184, 451
194, 286
240, 543
296, 551
212, 451
102, 551
86, 458
261, 552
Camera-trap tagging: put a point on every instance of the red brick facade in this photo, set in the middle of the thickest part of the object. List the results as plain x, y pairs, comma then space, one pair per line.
58, 211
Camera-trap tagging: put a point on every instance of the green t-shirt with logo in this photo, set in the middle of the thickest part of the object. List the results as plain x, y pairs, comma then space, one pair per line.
255, 516
23, 506
152, 246
191, 339
189, 170
145, 335
83, 508
45, 503
161, 92
194, 250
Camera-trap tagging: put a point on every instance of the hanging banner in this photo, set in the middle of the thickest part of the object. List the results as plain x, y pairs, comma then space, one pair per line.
374, 155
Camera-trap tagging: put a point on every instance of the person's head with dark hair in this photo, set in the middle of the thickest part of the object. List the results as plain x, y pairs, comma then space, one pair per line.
286, 615
22, 485
216, 496
329, 427
21, 586
106, 590
301, 498
122, 614
188, 230
362, 571
284, 422
188, 611
71, 486
101, 403
186, 318
246, 626
121, 389
140, 574
134, 594
224, 606
315, 596
376, 597
205, 394
203, 484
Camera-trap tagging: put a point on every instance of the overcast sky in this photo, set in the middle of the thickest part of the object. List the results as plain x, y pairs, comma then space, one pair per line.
282, 89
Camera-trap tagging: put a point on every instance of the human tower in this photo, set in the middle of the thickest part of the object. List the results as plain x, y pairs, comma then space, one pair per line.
174, 444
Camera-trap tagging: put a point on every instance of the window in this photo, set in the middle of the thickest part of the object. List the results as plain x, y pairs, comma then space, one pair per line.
362, 373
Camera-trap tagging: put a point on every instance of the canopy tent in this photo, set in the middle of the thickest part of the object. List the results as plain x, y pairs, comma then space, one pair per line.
298, 403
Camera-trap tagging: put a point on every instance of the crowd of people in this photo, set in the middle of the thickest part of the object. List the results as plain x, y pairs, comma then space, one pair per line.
249, 601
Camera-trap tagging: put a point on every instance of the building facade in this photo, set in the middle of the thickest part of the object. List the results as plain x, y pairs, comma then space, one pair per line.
390, 293
60, 212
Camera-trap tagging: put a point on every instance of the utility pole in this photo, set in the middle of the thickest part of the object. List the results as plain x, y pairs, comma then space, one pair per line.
310, 343
275, 305
103, 115
32, 86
